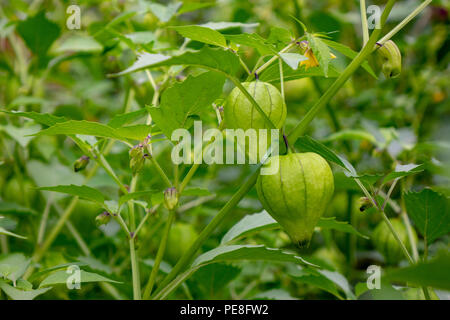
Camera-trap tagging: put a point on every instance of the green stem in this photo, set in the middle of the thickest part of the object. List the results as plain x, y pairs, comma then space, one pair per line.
160, 171
365, 26
209, 229
405, 21
340, 81
135, 270
159, 255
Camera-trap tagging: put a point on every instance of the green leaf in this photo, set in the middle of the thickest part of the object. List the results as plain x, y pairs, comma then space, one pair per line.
292, 59
343, 226
141, 37
315, 279
90, 128
17, 294
136, 195
38, 33
194, 6
250, 224
321, 51
21, 134
84, 192
120, 120
308, 144
79, 43
42, 118
430, 212
11, 234
351, 134
403, 171
257, 222
228, 25
433, 273
247, 252
13, 266
346, 51
208, 58
183, 102
164, 12
211, 279
272, 73
274, 294
14, 208
202, 34
253, 40
60, 277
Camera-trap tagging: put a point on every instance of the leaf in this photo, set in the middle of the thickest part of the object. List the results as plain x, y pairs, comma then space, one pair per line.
253, 40
430, 212
13, 266
292, 59
403, 171
250, 224
186, 100
315, 279
91, 128
164, 12
120, 120
14, 208
136, 195
351, 134
17, 294
228, 25
247, 252
211, 279
11, 234
60, 277
346, 51
38, 33
21, 134
274, 294
79, 43
321, 51
433, 273
208, 58
193, 6
343, 226
272, 73
202, 34
141, 37
42, 118
84, 192
308, 144
262, 221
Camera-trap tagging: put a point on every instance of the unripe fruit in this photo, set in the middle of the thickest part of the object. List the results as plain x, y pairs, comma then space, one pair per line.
181, 237
22, 194
298, 194
385, 243
391, 59
240, 113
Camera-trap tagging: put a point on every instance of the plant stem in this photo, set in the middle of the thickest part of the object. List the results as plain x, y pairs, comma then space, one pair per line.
405, 21
135, 270
159, 255
160, 171
209, 229
365, 26
340, 81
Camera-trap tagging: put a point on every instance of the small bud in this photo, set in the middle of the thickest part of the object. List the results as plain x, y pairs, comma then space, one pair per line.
137, 158
391, 59
102, 218
81, 163
170, 198
365, 203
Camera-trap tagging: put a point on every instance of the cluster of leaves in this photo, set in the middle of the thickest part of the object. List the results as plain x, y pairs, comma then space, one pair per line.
137, 71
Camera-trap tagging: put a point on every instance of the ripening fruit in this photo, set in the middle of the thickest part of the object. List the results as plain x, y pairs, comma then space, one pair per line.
385, 243
181, 237
391, 59
240, 113
298, 194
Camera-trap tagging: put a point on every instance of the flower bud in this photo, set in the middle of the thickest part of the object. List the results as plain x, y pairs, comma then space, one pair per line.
81, 163
102, 218
137, 158
365, 203
170, 198
391, 59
